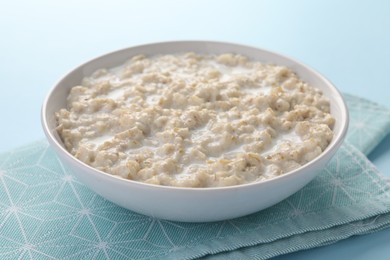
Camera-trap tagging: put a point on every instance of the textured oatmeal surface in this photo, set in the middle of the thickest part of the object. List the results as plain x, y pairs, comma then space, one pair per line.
195, 120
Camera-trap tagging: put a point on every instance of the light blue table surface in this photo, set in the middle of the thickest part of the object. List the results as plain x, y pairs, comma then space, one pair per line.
347, 41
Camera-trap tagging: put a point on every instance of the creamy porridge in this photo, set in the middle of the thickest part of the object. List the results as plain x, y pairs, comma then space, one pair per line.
195, 120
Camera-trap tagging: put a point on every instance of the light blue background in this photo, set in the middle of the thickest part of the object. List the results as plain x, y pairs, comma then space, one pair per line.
347, 41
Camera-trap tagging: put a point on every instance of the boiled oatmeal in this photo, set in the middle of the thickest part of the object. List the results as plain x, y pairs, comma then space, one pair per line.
192, 120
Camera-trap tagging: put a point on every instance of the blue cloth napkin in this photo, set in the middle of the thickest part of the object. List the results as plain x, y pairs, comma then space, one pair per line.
45, 213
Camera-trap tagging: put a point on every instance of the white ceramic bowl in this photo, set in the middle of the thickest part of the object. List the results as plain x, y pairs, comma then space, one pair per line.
192, 204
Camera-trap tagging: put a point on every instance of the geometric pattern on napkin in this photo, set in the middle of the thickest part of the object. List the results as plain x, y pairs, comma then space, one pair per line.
46, 213
369, 123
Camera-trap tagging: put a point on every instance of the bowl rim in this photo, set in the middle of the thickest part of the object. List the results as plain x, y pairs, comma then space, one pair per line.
331, 148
